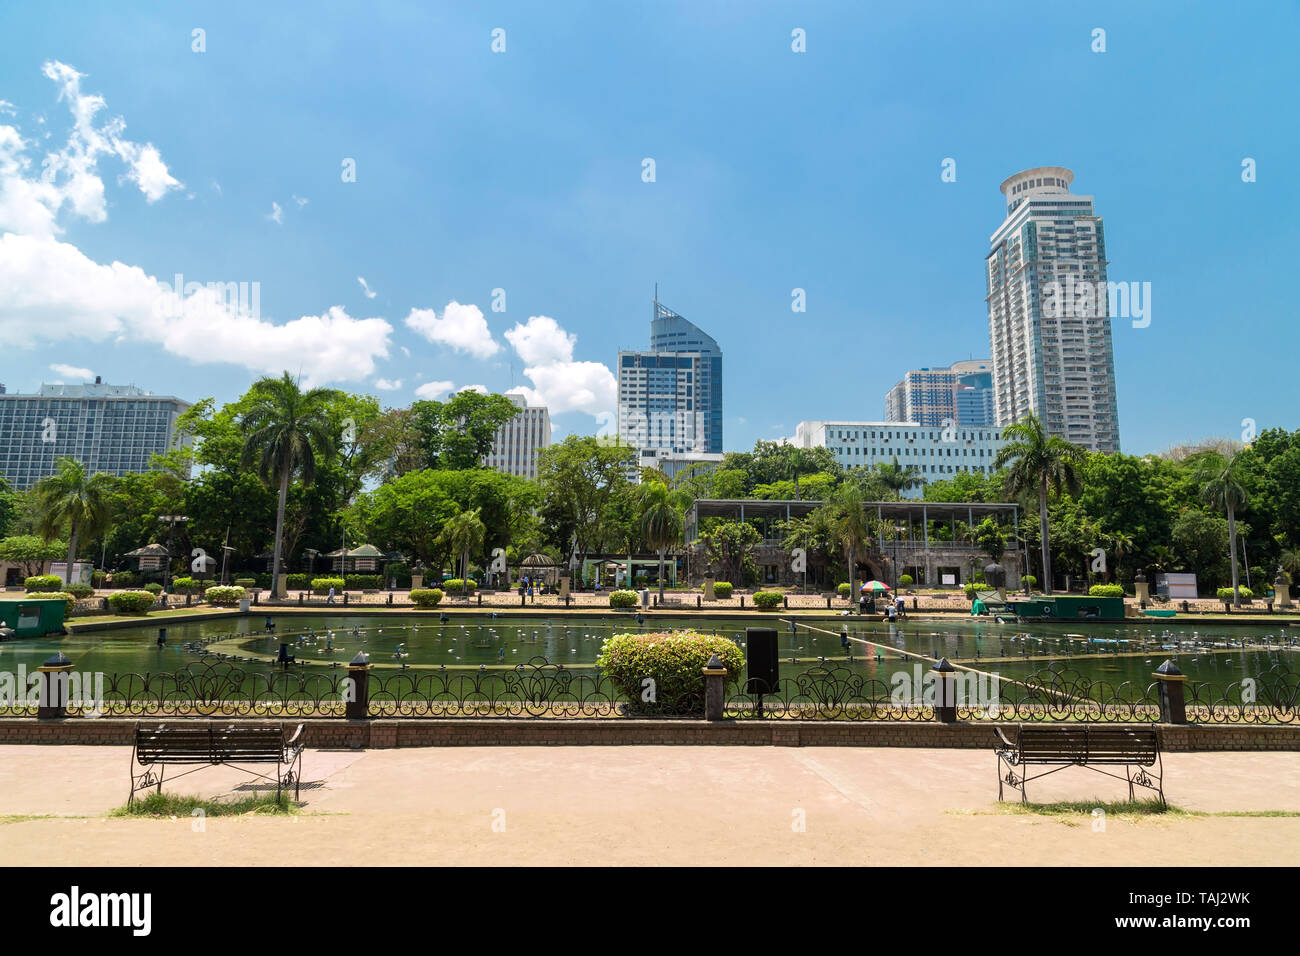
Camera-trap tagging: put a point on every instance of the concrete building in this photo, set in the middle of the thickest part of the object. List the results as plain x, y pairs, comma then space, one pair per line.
1051, 349
670, 396
674, 464
519, 441
929, 396
935, 453
110, 428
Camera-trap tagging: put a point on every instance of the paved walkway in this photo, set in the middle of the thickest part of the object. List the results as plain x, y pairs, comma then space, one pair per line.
647, 805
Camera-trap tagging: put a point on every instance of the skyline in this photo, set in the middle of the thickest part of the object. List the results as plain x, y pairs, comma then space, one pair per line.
526, 177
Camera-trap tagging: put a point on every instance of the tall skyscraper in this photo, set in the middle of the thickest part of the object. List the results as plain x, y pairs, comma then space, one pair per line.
111, 428
670, 396
1051, 343
956, 394
519, 441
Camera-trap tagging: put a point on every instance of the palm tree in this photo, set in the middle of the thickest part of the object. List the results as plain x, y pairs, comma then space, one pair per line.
71, 497
660, 519
799, 461
1040, 463
898, 478
285, 429
1289, 563
1222, 487
850, 526
463, 533
1122, 542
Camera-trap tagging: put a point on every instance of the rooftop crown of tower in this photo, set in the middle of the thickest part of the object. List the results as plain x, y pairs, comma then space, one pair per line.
1040, 180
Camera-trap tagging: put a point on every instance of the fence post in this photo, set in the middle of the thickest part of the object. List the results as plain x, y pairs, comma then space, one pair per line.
300, 594
52, 690
356, 705
345, 598
945, 692
715, 678
480, 598
828, 602
785, 601
742, 602
1173, 705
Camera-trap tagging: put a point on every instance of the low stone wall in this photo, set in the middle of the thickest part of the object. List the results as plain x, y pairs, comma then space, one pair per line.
485, 732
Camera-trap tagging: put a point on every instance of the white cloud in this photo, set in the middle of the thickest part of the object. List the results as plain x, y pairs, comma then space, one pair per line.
369, 294
481, 389
301, 201
560, 383
434, 390
72, 371
405, 351
385, 385
541, 341
50, 291
462, 327
277, 214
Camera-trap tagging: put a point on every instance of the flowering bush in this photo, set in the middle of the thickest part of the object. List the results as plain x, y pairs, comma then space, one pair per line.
661, 672
225, 595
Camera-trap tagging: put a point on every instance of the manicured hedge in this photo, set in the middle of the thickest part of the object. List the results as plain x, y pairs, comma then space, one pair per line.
131, 602
722, 589
225, 595
426, 597
1029, 581
661, 672
294, 582
623, 599
188, 585
125, 579
364, 582
154, 589
251, 582
767, 600
322, 585
1106, 590
1225, 594
905, 580
43, 582
843, 589
459, 584
69, 600
80, 591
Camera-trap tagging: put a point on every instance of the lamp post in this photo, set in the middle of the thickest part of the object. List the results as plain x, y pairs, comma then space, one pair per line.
171, 539
226, 551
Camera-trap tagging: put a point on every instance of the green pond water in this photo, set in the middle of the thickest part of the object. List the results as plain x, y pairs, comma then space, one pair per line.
1111, 652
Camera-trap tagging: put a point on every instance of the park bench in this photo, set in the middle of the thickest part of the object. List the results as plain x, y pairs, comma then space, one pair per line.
212, 744
1134, 749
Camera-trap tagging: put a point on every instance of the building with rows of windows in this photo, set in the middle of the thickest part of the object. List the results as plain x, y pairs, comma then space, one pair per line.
935, 453
519, 442
110, 428
960, 394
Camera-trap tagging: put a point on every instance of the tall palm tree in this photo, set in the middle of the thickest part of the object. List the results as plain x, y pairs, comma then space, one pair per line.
1039, 463
850, 526
71, 497
464, 533
1222, 487
1122, 542
898, 478
1289, 562
799, 461
660, 519
285, 430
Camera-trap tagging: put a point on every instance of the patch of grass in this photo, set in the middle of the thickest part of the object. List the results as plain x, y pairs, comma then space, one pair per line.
23, 817
158, 805
1122, 809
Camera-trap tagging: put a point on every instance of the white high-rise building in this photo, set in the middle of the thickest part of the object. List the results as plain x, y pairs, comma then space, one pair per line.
1051, 344
519, 441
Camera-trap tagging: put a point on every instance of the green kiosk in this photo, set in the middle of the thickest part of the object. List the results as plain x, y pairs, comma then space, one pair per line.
32, 615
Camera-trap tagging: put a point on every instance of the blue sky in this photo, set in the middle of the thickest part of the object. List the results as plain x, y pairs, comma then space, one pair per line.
522, 171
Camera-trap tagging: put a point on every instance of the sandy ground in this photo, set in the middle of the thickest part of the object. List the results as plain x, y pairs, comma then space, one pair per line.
646, 805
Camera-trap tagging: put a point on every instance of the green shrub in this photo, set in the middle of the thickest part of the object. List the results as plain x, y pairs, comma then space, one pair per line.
322, 585
131, 602
766, 600
364, 582
80, 591
672, 660
1106, 590
125, 579
294, 582
97, 578
398, 572
426, 597
905, 580
225, 595
154, 589
843, 589
188, 585
248, 582
43, 582
459, 584
623, 599
970, 590
69, 600
1029, 581
722, 589
1224, 594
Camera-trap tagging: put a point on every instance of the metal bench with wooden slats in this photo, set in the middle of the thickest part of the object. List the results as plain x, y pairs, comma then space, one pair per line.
216, 744
1134, 748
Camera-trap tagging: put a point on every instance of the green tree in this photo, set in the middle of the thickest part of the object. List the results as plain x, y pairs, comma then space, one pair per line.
463, 534
898, 478
847, 518
1043, 464
660, 519
285, 431
579, 479
71, 499
1223, 488
729, 546
31, 551
458, 433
